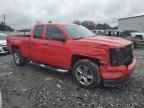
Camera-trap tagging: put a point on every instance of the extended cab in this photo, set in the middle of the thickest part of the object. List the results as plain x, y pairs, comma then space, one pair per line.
63, 47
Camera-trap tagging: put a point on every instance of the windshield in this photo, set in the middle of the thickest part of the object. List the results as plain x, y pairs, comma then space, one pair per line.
2, 37
78, 31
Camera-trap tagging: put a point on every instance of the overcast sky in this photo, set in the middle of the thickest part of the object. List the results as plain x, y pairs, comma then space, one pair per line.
24, 13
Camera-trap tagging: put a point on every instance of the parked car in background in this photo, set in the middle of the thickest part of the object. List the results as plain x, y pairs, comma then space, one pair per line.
127, 33
3, 44
138, 39
98, 32
112, 33
138, 35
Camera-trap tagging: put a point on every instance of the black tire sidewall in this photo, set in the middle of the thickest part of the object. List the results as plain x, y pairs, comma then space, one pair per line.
95, 70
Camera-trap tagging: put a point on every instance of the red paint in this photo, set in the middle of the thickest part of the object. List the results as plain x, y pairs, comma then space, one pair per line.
117, 72
60, 53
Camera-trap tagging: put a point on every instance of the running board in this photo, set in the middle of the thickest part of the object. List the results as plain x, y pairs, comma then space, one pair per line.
50, 67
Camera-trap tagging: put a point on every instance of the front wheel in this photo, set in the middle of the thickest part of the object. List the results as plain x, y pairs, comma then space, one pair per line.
18, 59
86, 74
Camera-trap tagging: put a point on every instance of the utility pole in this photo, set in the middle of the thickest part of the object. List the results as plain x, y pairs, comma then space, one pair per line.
4, 17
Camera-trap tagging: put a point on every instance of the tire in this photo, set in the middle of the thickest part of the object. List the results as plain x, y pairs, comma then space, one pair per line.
86, 74
17, 57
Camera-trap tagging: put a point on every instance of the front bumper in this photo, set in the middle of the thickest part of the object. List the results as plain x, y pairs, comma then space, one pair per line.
117, 73
3, 49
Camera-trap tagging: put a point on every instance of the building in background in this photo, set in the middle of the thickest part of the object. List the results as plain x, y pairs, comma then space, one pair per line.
131, 23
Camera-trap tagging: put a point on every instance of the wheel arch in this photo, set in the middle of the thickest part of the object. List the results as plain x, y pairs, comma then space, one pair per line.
76, 58
13, 47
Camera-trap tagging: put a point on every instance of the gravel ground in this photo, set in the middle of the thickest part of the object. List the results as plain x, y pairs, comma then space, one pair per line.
36, 87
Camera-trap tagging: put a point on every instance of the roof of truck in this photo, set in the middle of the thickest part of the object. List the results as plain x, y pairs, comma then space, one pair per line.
55, 23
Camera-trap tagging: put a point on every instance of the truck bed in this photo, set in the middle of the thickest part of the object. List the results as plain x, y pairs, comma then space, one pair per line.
19, 40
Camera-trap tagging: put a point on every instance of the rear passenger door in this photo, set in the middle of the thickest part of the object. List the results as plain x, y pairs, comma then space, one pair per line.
56, 52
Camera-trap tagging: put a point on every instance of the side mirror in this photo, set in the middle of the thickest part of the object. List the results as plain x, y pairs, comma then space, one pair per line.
58, 37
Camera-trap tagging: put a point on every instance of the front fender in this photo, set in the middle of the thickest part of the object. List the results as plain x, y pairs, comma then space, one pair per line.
101, 54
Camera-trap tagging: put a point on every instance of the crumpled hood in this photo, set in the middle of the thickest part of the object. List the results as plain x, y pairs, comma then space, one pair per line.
108, 40
3, 42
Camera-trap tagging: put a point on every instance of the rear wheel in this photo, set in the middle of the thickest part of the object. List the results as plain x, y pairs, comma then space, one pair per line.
18, 58
86, 74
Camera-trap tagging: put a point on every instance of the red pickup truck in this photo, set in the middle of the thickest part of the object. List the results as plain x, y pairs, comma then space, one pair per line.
73, 48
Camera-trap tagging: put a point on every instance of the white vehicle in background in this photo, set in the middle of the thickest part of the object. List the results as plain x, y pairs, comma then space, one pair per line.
3, 44
137, 35
138, 39
98, 32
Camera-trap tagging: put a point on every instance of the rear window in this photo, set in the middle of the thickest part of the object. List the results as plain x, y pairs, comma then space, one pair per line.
38, 32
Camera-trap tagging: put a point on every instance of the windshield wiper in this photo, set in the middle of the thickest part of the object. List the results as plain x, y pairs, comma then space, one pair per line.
78, 38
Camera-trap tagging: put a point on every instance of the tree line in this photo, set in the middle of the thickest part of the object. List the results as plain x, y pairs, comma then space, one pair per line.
92, 25
5, 27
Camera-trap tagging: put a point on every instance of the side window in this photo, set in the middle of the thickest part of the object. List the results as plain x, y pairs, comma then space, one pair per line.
52, 32
38, 32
